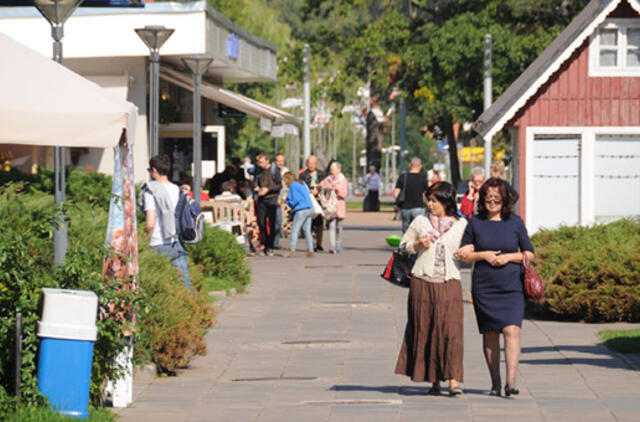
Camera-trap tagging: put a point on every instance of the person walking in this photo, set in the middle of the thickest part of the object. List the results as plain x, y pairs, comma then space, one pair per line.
336, 182
470, 198
278, 169
159, 198
267, 189
496, 240
299, 200
373, 183
432, 348
409, 193
312, 176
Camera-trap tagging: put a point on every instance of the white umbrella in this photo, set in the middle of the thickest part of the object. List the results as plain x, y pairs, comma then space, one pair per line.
44, 103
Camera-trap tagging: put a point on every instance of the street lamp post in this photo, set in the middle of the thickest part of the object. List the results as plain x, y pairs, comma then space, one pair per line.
57, 12
197, 65
306, 88
154, 37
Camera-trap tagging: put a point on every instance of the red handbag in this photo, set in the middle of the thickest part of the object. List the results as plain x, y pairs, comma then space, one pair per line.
533, 286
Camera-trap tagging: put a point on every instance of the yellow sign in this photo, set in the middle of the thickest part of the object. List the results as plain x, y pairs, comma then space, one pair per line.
471, 154
476, 155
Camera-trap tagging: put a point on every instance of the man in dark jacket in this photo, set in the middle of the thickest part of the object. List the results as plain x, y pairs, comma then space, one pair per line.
312, 176
268, 187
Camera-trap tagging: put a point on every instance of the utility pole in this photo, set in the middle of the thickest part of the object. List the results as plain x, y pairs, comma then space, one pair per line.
487, 96
353, 170
393, 146
307, 103
403, 144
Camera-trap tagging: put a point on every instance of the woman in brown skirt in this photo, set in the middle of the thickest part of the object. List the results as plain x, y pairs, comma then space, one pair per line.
433, 340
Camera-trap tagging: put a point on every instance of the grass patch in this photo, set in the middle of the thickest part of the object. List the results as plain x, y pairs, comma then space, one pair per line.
357, 205
621, 341
45, 414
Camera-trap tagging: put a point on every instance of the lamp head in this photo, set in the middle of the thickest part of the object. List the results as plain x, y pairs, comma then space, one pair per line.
57, 11
197, 64
154, 36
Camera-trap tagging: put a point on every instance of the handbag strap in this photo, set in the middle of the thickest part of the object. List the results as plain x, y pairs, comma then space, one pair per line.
525, 260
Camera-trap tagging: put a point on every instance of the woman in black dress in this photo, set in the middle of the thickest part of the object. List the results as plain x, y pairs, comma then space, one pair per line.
495, 240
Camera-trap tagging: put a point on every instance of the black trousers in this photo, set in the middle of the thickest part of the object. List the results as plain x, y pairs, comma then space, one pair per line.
267, 217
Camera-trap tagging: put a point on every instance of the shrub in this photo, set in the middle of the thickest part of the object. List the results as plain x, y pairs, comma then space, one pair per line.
91, 187
590, 273
220, 256
171, 321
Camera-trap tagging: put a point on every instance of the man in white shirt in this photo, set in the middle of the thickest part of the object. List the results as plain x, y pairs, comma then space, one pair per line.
373, 183
160, 199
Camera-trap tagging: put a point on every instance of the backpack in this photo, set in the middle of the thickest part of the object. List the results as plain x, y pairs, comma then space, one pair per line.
189, 219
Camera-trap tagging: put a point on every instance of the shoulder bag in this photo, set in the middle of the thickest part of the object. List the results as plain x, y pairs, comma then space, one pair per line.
398, 268
533, 286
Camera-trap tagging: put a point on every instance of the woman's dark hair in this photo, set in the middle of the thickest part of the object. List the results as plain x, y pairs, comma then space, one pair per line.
503, 190
445, 193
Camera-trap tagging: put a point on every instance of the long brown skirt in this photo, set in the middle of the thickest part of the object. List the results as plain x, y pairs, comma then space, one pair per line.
432, 349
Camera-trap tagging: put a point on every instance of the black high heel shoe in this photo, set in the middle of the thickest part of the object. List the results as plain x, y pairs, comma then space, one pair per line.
510, 391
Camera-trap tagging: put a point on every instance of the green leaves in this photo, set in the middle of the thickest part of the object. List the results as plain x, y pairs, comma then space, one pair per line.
590, 273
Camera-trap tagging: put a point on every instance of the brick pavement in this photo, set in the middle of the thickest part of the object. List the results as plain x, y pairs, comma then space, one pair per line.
317, 339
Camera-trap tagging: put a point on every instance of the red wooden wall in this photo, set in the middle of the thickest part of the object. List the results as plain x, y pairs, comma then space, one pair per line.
572, 98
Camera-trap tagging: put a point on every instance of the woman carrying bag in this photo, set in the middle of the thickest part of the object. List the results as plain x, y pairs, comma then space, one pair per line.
299, 200
432, 348
496, 240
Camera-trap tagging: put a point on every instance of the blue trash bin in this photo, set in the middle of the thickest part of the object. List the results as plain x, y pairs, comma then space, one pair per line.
67, 331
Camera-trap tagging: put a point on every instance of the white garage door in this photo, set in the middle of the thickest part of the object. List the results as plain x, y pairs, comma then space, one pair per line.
617, 177
556, 182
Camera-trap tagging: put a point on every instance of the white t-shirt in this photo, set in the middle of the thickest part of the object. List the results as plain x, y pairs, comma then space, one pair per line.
150, 205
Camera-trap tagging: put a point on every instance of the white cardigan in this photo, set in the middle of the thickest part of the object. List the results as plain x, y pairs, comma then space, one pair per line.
426, 259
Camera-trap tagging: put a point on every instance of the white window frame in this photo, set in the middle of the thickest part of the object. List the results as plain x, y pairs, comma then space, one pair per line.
587, 163
622, 25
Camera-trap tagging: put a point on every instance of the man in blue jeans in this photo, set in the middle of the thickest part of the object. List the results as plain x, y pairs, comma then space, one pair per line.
409, 193
160, 198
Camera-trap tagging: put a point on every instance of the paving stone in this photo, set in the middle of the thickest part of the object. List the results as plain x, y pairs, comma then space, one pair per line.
565, 373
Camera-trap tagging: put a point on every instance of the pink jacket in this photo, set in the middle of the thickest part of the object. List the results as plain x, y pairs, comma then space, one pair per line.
341, 186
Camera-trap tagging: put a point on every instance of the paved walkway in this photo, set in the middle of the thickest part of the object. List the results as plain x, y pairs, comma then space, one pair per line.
317, 340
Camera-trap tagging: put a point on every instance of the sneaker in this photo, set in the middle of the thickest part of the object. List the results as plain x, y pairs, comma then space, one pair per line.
269, 252
338, 249
319, 248
332, 251
289, 254
309, 254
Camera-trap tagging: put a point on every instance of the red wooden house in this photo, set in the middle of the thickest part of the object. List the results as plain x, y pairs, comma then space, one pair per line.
573, 117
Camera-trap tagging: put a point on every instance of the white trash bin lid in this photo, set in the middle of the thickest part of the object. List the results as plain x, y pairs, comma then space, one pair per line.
69, 314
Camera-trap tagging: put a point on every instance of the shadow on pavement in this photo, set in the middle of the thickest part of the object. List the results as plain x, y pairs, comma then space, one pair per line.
402, 390
606, 360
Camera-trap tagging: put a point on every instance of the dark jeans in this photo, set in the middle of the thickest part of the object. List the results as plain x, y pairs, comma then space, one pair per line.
267, 215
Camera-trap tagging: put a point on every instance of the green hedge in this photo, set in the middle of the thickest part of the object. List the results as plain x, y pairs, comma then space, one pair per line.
219, 255
590, 273
171, 322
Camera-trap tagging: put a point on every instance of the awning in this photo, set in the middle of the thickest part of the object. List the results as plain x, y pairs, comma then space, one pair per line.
281, 122
44, 103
